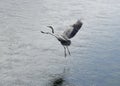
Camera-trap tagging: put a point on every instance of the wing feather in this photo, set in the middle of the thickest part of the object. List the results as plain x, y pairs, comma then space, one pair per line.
71, 32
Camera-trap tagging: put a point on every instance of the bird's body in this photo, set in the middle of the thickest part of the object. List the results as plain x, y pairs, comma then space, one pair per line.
64, 38
64, 42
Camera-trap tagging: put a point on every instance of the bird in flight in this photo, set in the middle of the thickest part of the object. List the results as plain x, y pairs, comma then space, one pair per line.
64, 38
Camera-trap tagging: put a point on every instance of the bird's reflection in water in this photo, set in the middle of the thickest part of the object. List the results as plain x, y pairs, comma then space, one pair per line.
60, 79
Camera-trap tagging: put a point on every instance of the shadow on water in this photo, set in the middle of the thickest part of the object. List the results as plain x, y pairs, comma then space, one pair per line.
60, 79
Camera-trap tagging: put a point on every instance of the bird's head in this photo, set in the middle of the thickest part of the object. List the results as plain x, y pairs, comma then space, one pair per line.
51, 28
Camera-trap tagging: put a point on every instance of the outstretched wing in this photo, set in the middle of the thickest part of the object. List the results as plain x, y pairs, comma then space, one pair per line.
71, 32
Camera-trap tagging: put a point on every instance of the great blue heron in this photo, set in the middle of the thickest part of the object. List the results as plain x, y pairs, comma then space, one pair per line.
67, 34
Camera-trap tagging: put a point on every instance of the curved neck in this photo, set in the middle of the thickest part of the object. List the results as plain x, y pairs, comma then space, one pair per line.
50, 34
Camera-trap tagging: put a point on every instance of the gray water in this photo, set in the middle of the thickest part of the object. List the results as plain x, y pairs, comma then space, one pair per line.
29, 58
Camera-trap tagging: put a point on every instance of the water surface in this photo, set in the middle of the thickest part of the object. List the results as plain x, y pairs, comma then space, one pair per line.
29, 58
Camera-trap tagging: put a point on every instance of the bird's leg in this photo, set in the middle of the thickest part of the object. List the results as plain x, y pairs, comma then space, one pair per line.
65, 51
68, 50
